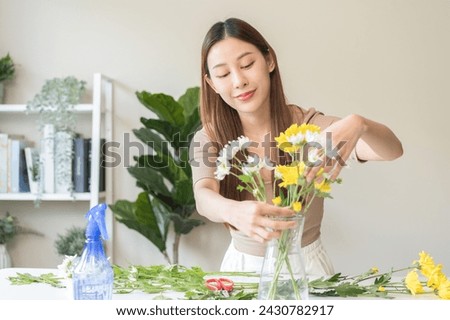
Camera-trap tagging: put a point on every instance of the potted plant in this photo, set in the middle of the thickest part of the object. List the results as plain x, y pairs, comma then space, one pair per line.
7, 71
72, 242
9, 228
54, 104
165, 175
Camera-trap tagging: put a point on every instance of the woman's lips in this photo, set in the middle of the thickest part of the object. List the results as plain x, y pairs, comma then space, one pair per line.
246, 95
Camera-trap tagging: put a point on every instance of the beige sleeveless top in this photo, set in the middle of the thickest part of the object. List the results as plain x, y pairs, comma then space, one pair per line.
203, 162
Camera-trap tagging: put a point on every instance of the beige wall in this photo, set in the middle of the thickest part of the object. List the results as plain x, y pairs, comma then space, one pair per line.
387, 60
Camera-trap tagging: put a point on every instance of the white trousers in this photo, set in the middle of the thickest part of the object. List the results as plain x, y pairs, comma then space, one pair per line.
317, 262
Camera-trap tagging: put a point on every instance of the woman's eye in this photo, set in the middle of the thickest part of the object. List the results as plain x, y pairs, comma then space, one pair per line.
222, 75
248, 65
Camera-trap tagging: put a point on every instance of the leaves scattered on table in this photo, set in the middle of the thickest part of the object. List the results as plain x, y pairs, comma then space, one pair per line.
161, 280
177, 278
47, 278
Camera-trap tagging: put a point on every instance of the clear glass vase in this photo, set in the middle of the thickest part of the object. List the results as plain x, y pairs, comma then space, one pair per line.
283, 275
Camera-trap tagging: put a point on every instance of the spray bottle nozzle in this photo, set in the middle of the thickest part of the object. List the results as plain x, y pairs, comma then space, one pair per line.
96, 222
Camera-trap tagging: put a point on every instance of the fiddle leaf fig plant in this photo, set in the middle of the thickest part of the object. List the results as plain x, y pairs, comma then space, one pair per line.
164, 175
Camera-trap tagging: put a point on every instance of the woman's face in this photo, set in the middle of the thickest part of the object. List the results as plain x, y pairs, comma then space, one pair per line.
240, 74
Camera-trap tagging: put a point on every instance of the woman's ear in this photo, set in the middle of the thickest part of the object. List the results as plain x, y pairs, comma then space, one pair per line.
209, 82
270, 62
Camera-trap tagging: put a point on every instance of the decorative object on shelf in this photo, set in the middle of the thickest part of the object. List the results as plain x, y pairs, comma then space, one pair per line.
9, 228
55, 103
72, 242
165, 176
5, 259
290, 189
7, 71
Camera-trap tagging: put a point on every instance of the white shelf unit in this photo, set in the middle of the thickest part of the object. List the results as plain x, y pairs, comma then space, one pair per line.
101, 112
101, 104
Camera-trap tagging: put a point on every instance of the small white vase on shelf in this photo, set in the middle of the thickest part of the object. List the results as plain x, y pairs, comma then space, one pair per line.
5, 259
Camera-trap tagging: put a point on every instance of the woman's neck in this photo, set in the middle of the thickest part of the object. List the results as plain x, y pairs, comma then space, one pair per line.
256, 125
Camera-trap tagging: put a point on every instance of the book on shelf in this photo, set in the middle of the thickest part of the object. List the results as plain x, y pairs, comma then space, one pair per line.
101, 178
18, 181
13, 177
82, 165
32, 162
3, 162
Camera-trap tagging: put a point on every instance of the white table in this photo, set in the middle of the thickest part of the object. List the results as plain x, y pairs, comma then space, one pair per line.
41, 291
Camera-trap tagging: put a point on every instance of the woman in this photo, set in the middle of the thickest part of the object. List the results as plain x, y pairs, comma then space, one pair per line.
242, 94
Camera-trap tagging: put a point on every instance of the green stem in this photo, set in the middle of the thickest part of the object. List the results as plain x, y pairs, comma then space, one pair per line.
283, 257
357, 280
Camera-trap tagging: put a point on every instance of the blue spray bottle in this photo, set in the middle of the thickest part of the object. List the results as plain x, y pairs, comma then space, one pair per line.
93, 275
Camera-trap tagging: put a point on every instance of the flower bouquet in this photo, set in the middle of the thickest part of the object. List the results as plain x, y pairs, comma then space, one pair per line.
302, 146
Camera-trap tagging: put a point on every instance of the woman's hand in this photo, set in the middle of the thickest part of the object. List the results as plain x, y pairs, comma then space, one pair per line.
339, 141
252, 218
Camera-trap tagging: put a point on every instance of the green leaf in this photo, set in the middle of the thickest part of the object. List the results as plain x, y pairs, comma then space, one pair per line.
188, 130
184, 193
149, 179
190, 101
26, 278
160, 126
141, 216
245, 178
165, 165
153, 140
184, 226
162, 214
349, 290
164, 106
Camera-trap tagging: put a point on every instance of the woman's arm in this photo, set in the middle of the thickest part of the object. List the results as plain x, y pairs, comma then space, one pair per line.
377, 142
250, 217
370, 140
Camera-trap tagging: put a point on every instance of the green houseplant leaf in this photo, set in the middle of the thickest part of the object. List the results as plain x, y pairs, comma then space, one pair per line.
164, 175
164, 106
148, 217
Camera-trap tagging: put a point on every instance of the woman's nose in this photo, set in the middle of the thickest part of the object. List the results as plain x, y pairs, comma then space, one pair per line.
239, 80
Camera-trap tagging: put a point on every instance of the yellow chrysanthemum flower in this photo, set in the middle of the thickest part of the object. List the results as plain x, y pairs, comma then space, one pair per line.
426, 263
444, 290
284, 145
276, 201
381, 289
323, 186
297, 206
412, 282
289, 175
436, 277
374, 270
296, 136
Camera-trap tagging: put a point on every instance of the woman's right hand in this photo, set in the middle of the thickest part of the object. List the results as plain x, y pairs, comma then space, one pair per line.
253, 219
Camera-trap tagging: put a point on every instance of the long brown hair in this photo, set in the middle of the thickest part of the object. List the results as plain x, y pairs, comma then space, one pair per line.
220, 121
